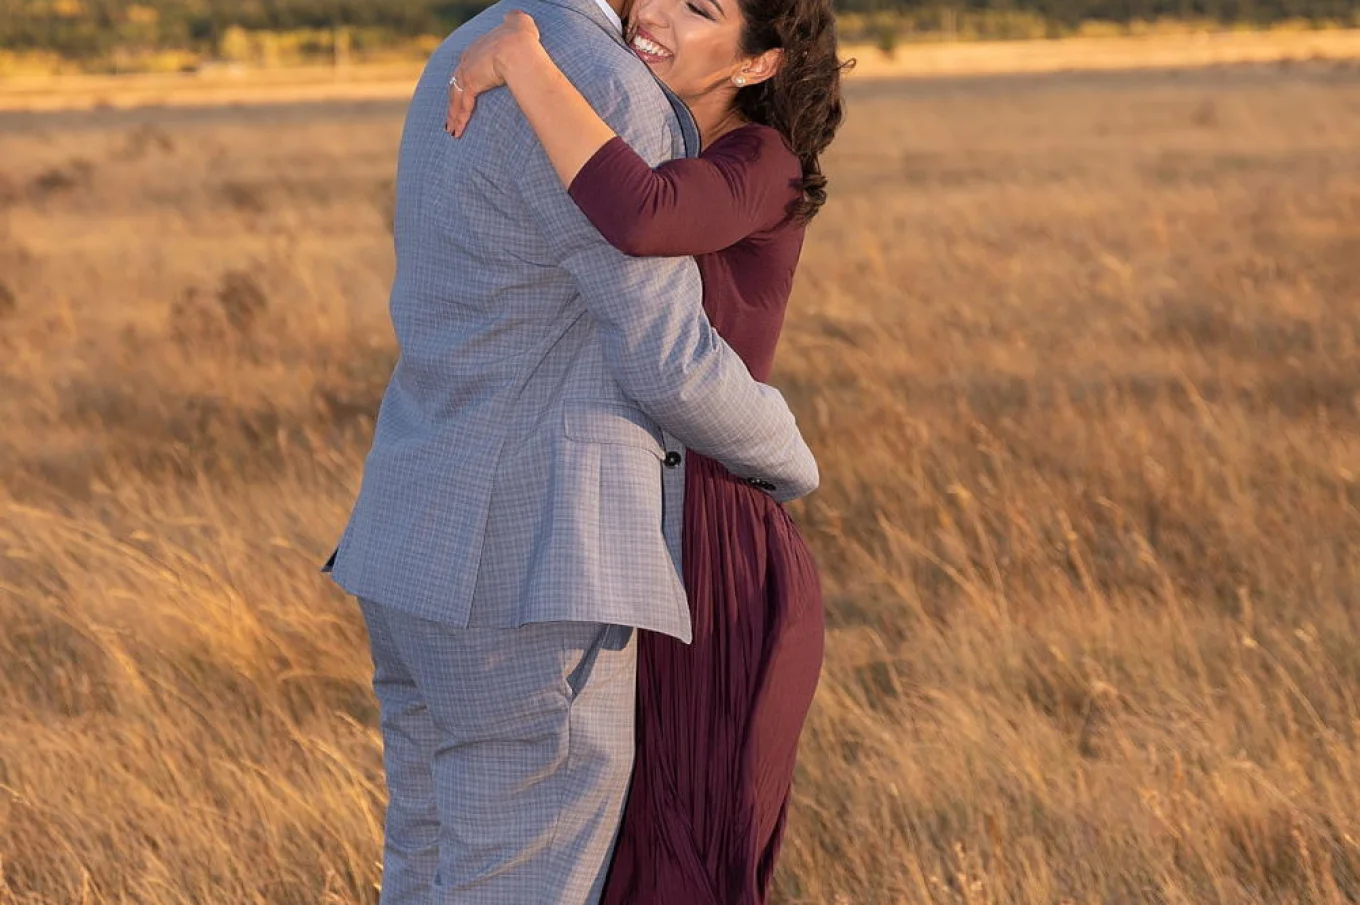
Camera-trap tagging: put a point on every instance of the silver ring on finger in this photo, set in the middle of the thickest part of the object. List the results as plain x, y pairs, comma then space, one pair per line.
453, 83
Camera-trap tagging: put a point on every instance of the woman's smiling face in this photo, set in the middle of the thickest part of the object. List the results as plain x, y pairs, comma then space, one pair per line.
694, 46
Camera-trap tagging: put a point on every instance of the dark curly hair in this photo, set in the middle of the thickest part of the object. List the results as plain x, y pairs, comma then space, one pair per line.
803, 99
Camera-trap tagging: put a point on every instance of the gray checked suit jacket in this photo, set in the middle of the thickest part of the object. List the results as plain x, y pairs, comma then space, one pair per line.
525, 466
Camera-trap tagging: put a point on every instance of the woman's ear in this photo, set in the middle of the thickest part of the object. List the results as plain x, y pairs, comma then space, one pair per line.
762, 68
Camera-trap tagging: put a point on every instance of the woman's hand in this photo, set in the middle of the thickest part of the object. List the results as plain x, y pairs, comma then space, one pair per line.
484, 65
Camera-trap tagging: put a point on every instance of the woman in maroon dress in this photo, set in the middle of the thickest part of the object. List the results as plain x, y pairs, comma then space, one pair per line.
719, 719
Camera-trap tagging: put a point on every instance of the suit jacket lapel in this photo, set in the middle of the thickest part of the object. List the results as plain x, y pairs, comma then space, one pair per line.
688, 127
689, 130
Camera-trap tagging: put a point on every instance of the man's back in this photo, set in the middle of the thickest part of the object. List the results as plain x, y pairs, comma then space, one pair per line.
479, 289
492, 333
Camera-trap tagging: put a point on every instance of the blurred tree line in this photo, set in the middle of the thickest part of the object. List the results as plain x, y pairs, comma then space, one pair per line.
92, 28
88, 29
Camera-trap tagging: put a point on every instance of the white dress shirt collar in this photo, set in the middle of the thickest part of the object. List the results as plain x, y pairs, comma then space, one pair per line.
613, 16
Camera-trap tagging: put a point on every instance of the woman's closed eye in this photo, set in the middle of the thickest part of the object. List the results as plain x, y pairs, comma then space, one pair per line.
698, 10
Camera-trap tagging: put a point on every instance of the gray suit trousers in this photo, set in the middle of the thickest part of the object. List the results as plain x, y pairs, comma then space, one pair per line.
508, 754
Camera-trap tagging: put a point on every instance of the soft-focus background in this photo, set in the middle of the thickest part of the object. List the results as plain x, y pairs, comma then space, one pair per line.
1079, 353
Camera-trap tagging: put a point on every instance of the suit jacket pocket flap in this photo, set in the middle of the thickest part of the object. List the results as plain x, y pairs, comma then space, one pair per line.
613, 425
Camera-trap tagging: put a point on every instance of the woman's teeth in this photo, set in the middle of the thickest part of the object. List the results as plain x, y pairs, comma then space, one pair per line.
651, 48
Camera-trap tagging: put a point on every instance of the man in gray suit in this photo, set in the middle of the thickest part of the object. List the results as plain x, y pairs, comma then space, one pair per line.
520, 513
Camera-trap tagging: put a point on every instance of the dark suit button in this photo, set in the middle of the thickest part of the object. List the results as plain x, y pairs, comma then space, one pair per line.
673, 459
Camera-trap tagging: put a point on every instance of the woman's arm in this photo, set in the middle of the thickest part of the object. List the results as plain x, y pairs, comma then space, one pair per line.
741, 185
511, 54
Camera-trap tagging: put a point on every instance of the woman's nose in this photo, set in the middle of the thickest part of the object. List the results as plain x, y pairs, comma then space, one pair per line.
651, 18
660, 12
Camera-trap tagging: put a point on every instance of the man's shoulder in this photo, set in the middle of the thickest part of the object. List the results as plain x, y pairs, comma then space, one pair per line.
599, 66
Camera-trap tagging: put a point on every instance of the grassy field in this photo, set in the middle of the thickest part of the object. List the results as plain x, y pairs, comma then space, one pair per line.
1080, 357
1154, 50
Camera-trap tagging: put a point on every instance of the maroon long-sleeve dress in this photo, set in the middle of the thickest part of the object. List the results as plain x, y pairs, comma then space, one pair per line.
718, 720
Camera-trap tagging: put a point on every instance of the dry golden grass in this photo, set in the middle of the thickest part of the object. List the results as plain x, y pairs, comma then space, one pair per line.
224, 85
1080, 356
1153, 50
1156, 50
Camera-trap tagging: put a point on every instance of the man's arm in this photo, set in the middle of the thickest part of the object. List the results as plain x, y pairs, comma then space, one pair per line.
658, 342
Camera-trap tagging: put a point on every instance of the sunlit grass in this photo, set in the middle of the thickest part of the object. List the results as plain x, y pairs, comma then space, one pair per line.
1081, 362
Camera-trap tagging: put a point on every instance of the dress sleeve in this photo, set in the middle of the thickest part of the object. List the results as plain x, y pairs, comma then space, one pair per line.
743, 184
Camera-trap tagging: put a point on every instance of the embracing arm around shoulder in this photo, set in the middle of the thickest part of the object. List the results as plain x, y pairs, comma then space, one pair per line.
512, 55
742, 185
658, 343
